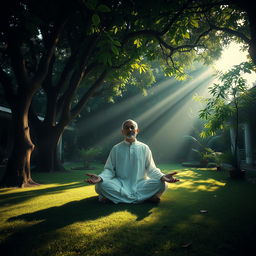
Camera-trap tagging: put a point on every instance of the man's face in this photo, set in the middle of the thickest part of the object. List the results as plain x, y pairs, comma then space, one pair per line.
130, 131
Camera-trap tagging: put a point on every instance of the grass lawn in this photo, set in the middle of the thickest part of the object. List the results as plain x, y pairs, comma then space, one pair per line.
63, 217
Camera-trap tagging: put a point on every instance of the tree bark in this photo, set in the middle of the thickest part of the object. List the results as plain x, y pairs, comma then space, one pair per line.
249, 7
46, 156
252, 46
17, 172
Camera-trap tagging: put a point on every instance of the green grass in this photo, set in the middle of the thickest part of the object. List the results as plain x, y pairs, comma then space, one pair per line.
63, 217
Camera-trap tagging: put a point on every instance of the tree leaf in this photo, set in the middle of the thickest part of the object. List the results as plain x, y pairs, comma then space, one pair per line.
95, 19
138, 42
103, 8
186, 35
117, 43
114, 49
91, 4
194, 23
115, 29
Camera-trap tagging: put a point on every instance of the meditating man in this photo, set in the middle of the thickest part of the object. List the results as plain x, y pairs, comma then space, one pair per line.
130, 174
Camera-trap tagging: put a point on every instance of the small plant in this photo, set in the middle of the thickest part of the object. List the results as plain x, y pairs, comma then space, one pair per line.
89, 155
216, 157
204, 152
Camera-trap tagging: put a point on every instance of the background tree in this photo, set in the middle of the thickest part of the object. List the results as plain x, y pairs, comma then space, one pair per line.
224, 107
100, 47
20, 85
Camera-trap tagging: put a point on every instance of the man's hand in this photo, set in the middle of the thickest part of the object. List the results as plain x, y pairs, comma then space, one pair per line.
169, 177
93, 178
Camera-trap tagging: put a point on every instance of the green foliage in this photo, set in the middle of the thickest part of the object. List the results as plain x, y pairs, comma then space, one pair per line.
229, 158
89, 155
216, 157
126, 32
95, 20
203, 150
223, 108
226, 100
105, 37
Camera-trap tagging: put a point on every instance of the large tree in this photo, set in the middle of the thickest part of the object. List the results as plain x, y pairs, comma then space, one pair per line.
101, 44
20, 85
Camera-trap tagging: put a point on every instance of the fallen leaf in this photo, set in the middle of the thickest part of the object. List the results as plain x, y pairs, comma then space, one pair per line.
186, 245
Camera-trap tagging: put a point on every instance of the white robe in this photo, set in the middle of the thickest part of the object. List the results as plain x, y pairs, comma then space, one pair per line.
130, 174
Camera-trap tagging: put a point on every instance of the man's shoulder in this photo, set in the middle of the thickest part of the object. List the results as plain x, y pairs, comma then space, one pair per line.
142, 144
120, 144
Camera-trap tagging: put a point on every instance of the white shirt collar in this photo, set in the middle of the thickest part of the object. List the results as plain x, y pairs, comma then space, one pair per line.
126, 142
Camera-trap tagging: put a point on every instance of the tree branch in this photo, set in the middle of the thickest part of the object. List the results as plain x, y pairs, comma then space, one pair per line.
175, 17
77, 76
69, 66
76, 110
46, 59
232, 32
148, 32
17, 59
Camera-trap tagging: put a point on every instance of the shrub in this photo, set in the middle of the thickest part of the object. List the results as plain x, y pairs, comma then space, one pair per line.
89, 155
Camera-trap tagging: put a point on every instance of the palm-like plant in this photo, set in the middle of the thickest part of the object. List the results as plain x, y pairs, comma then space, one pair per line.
203, 150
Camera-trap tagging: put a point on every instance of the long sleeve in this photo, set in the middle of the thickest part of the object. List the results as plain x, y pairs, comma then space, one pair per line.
109, 168
152, 171
130, 174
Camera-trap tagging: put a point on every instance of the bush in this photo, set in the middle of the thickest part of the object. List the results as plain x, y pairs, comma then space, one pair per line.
89, 155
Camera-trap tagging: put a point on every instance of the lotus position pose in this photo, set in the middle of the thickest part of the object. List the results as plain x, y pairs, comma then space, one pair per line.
130, 174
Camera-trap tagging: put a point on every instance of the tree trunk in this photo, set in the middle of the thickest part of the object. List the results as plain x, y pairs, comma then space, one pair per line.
46, 155
17, 172
249, 7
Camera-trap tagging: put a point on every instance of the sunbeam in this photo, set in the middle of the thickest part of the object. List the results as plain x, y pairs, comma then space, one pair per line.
179, 120
118, 109
164, 116
233, 55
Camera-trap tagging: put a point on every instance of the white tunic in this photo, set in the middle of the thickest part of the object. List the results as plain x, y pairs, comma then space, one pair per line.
130, 174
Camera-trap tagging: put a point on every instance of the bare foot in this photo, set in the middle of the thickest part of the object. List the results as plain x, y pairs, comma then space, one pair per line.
103, 200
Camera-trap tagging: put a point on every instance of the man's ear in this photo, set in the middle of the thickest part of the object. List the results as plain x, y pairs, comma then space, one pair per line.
138, 130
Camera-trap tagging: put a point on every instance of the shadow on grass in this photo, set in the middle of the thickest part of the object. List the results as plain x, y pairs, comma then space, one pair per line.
82, 210
54, 218
219, 232
21, 196
197, 177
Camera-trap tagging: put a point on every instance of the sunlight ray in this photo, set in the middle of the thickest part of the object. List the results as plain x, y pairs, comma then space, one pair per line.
118, 109
162, 111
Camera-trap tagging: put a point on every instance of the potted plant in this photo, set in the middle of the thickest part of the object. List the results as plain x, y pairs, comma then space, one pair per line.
216, 157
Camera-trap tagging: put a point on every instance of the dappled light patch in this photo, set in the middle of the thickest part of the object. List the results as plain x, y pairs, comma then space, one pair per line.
187, 173
182, 226
67, 219
198, 185
196, 181
204, 169
203, 220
